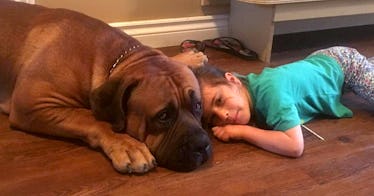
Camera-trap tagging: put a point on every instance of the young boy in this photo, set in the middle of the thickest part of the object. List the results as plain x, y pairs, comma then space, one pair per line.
283, 98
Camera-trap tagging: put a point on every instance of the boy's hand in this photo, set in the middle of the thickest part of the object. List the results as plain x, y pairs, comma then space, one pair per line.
227, 132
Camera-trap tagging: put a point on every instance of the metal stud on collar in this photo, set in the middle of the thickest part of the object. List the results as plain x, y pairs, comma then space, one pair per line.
122, 56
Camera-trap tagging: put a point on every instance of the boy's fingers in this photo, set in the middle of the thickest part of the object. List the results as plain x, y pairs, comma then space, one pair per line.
220, 134
216, 131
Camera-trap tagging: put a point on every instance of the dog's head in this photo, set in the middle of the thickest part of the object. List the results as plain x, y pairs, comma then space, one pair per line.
157, 101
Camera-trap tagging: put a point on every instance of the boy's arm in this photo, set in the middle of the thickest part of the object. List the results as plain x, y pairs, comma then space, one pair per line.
287, 143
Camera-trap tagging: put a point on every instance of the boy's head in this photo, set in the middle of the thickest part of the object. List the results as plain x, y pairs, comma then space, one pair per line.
225, 99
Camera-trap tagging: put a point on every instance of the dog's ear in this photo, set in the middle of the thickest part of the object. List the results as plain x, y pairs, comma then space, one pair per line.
108, 102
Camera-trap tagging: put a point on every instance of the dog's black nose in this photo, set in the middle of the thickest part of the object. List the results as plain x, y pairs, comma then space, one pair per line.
200, 147
206, 152
208, 148
203, 148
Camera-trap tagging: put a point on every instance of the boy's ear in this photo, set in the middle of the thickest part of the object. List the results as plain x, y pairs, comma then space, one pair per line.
231, 78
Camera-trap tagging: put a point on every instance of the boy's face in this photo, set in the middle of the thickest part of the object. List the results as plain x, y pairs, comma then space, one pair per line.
226, 104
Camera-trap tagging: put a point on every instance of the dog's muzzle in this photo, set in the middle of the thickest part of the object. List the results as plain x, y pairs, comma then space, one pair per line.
186, 152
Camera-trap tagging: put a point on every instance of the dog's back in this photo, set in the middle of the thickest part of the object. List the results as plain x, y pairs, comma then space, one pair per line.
15, 20
32, 33
13, 31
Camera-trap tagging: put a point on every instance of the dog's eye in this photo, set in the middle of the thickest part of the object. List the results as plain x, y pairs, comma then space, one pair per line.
195, 104
198, 108
163, 116
164, 119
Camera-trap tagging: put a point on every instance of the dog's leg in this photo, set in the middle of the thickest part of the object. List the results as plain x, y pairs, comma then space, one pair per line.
191, 58
127, 154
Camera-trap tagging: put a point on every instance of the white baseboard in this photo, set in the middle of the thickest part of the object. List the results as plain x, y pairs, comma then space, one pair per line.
171, 32
26, 1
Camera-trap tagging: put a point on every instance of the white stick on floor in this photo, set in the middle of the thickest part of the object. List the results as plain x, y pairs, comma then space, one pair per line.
314, 133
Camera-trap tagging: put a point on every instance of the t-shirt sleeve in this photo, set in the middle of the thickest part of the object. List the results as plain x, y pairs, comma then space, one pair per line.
282, 118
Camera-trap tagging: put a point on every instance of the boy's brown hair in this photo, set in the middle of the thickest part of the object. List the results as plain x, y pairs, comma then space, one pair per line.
212, 75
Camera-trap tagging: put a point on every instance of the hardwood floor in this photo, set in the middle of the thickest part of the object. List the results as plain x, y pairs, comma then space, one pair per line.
341, 165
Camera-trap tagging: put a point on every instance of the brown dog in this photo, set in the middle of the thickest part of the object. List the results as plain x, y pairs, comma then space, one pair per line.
65, 74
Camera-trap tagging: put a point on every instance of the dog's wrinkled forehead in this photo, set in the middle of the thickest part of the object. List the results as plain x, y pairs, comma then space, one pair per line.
184, 77
178, 73
164, 77
179, 77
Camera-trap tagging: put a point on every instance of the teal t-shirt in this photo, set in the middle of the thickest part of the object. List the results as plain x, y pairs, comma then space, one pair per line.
295, 93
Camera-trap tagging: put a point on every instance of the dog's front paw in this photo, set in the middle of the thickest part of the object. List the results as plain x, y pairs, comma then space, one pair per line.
191, 58
129, 155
